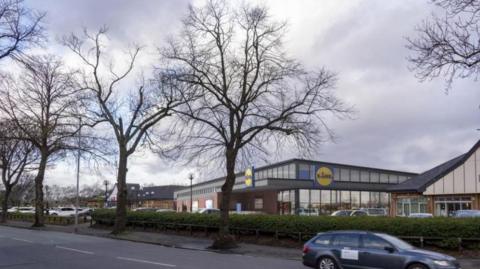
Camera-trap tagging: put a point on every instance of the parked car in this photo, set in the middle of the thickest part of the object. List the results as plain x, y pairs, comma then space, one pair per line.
420, 215
209, 211
307, 211
62, 211
144, 209
359, 213
163, 210
342, 213
376, 212
466, 214
361, 249
24, 210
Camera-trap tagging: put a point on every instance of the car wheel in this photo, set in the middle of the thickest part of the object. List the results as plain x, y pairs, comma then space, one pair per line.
326, 263
417, 266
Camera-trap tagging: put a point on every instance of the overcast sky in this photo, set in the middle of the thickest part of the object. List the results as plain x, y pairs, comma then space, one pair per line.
400, 123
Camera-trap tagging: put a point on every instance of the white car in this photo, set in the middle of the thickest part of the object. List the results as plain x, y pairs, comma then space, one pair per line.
24, 210
420, 215
209, 211
63, 212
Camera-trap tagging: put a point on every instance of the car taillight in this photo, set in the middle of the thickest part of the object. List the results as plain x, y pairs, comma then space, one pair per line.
305, 249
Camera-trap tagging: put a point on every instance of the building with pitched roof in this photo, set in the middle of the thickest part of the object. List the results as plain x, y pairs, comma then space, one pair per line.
442, 190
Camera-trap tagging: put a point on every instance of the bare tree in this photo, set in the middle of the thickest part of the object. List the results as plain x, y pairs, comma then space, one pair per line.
23, 192
15, 158
130, 114
448, 45
250, 97
20, 28
43, 103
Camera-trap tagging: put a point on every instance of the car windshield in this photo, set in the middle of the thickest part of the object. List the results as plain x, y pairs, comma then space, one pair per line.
396, 241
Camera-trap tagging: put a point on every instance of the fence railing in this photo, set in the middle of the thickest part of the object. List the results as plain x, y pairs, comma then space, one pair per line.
300, 237
55, 220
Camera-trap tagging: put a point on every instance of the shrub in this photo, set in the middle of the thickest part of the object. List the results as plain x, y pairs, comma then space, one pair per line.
433, 227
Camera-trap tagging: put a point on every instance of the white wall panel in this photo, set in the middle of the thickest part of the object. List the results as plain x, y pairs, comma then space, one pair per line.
448, 183
470, 176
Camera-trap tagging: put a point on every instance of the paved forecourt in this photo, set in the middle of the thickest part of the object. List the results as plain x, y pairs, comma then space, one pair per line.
23, 248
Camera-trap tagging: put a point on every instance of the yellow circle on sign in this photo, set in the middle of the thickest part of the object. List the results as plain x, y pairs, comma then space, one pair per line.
248, 182
324, 176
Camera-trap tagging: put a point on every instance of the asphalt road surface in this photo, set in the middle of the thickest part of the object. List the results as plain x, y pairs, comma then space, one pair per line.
23, 248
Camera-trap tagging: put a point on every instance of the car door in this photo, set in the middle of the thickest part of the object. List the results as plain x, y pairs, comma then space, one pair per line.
376, 253
346, 248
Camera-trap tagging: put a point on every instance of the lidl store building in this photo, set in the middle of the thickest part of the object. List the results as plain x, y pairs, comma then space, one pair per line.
308, 187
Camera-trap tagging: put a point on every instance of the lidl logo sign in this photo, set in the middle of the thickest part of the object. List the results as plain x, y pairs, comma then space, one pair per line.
324, 176
249, 177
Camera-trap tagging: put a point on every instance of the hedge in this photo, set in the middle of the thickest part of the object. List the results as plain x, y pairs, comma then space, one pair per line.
440, 227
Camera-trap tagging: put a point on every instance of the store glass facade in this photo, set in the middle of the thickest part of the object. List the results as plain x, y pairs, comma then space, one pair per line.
445, 206
409, 205
323, 202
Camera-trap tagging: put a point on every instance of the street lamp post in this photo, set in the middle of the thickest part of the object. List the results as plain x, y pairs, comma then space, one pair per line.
77, 200
191, 192
105, 182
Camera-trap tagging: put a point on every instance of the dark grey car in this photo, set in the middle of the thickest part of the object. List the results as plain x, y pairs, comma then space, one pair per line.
359, 249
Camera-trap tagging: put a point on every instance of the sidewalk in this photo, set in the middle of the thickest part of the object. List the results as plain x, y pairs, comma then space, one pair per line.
194, 243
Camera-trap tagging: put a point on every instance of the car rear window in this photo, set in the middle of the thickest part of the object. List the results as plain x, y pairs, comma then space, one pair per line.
323, 240
346, 240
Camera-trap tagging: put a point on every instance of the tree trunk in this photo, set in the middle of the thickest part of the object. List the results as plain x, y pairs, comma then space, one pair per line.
39, 207
225, 240
121, 211
5, 204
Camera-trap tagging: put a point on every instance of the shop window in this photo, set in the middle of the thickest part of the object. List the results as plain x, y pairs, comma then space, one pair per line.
344, 175
355, 199
354, 175
364, 176
345, 199
258, 203
291, 171
364, 199
392, 179
303, 171
313, 172
336, 174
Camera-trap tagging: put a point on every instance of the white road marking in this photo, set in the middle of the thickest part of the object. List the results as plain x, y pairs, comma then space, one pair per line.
75, 250
144, 261
23, 240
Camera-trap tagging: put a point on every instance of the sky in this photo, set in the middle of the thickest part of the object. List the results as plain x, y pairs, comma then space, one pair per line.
400, 122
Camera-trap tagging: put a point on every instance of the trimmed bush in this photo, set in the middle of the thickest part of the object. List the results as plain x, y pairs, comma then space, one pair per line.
308, 225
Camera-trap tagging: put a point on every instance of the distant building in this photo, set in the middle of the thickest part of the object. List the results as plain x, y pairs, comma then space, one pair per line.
133, 191
160, 197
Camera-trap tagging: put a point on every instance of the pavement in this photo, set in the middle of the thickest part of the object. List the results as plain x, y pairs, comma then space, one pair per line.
89, 239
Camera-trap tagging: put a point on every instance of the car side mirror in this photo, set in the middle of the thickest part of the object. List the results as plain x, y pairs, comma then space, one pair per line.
390, 249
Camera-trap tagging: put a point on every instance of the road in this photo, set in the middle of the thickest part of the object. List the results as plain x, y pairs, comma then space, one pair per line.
23, 248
